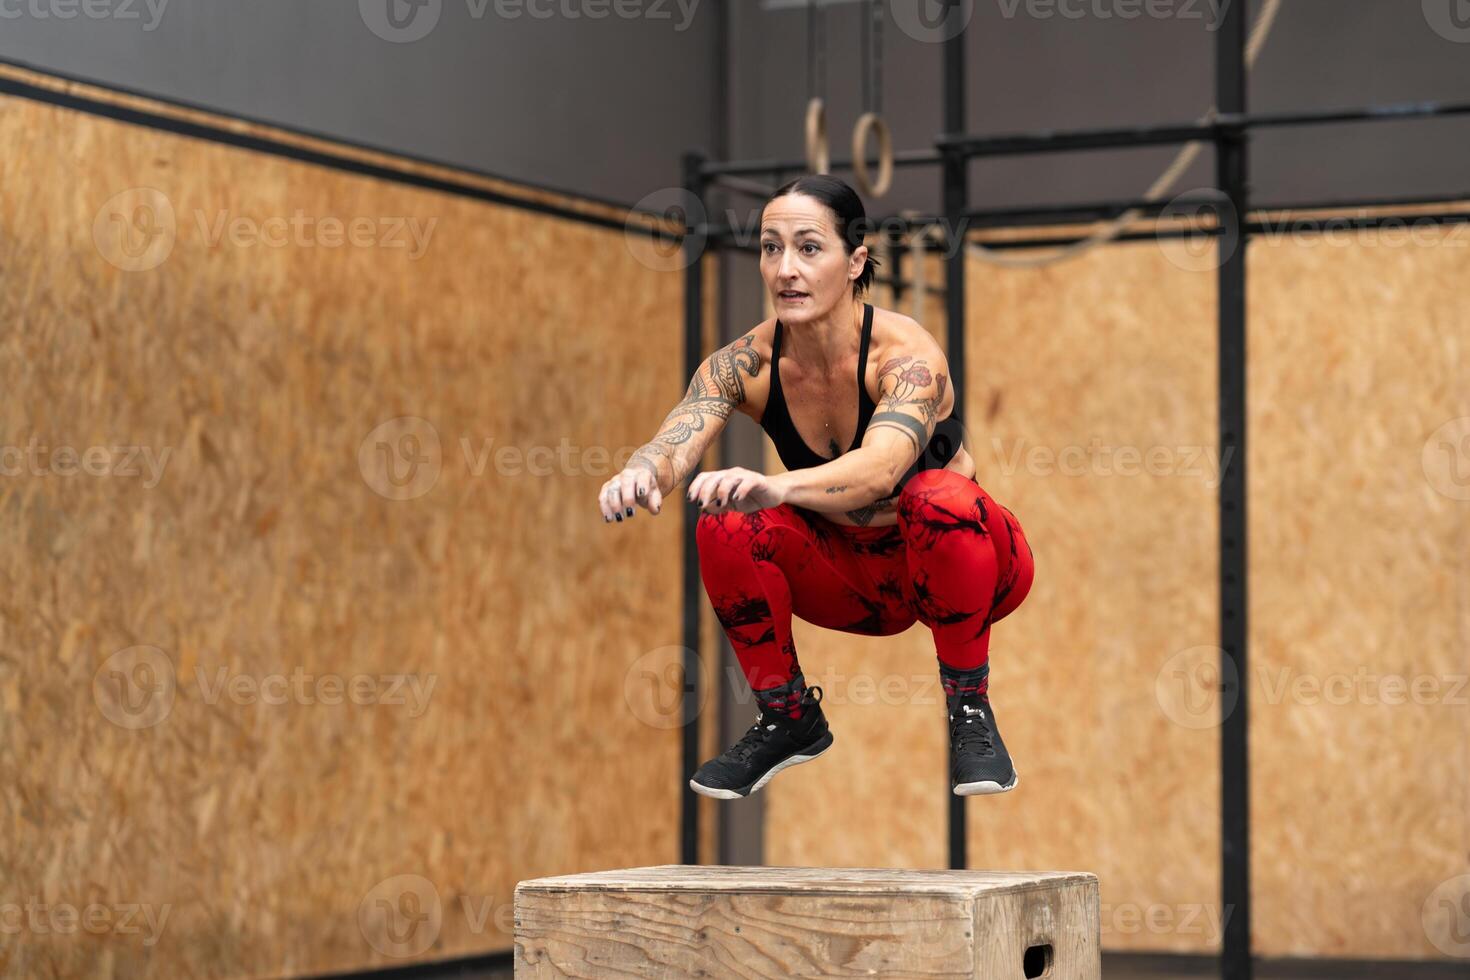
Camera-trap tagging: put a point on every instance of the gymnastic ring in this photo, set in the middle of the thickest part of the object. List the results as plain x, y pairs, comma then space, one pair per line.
874, 122
818, 154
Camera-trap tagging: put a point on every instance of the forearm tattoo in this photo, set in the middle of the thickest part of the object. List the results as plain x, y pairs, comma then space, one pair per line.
716, 391
864, 515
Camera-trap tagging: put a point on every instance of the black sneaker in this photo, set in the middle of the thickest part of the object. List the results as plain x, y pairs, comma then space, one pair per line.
774, 742
981, 765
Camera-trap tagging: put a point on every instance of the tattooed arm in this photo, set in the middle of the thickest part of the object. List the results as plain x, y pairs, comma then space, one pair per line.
914, 380
715, 392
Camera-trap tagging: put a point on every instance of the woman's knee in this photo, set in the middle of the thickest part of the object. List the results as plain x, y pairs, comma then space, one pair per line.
944, 491
735, 533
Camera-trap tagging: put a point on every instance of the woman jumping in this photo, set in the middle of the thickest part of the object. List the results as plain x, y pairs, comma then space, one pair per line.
864, 539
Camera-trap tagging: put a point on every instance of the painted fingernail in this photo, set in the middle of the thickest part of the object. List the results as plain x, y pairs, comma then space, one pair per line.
620, 518
630, 512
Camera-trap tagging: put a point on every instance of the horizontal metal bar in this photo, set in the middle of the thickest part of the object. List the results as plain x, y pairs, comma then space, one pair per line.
1257, 228
1225, 126
1089, 212
1044, 215
901, 158
754, 188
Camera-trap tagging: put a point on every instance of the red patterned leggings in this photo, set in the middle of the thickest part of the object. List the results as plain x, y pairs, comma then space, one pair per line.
956, 560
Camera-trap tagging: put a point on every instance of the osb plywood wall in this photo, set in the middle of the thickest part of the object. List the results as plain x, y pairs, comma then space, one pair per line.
322, 643
1091, 409
1360, 611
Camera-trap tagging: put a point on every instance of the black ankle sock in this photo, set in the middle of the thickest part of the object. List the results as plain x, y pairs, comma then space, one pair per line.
958, 681
785, 699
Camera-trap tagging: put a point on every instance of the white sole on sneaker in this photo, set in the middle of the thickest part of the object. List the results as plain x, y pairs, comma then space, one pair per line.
730, 794
986, 787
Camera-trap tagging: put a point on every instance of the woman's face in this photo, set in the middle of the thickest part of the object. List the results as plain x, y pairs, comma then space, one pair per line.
803, 261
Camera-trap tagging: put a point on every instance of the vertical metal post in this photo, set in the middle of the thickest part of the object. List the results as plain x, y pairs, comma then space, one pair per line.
956, 195
1232, 174
694, 183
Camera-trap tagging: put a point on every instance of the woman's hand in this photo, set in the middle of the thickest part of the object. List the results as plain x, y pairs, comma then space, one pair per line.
635, 485
737, 489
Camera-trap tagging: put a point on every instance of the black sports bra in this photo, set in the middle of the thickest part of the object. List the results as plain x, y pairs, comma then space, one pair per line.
796, 454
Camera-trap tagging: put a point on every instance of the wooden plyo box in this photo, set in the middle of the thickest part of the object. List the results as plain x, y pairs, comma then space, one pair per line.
679, 920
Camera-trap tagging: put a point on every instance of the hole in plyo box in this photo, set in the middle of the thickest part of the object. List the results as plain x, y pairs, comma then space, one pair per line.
1037, 961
